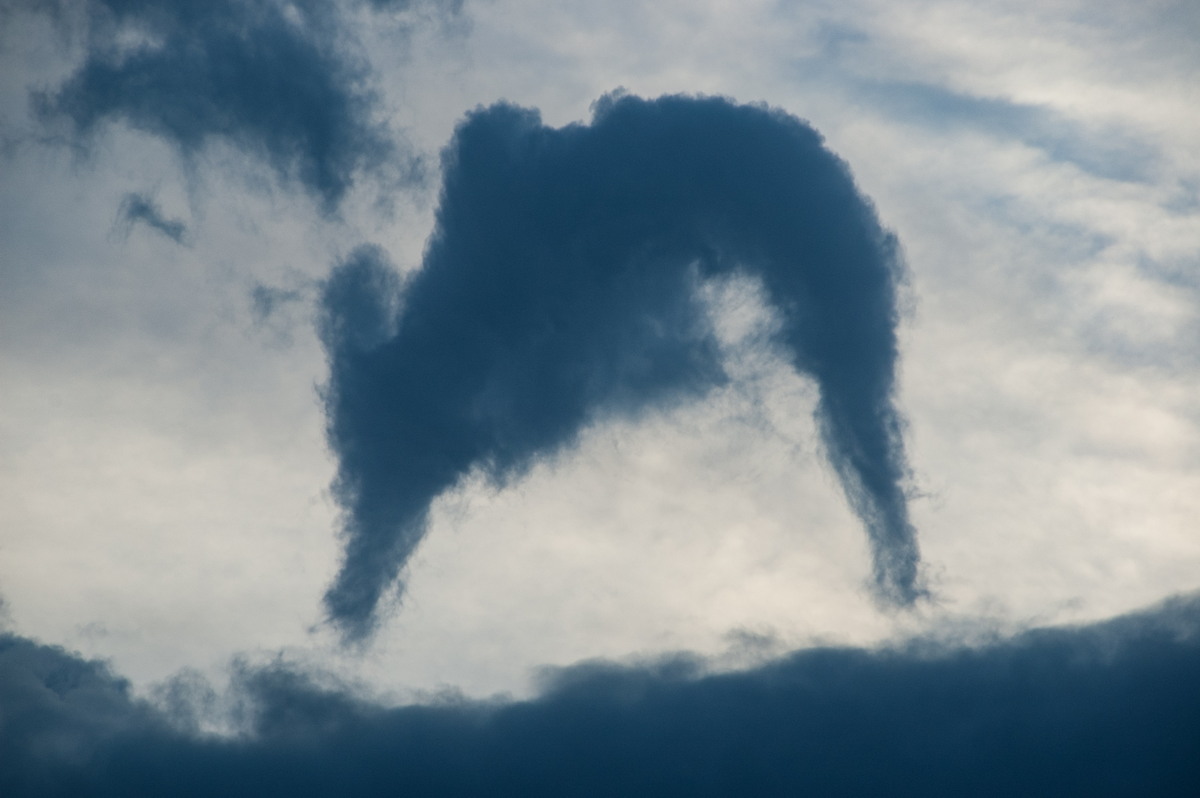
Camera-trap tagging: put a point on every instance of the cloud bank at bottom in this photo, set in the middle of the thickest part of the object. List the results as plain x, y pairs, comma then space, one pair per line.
1107, 709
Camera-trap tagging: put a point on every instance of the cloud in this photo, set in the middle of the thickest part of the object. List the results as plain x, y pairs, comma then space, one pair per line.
278, 310
267, 301
1108, 709
141, 208
448, 6
559, 287
272, 79
1104, 151
54, 707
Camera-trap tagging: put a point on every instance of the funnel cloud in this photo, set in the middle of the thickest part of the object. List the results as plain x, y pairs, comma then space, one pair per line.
559, 287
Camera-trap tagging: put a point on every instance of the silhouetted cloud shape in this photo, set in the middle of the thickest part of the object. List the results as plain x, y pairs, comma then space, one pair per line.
1106, 710
559, 286
140, 208
272, 78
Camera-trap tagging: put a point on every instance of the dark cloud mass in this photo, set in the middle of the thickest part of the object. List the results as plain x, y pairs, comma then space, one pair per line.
1106, 710
559, 287
142, 209
274, 79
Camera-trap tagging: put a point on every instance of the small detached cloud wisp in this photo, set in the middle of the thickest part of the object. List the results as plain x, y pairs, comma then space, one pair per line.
139, 208
560, 286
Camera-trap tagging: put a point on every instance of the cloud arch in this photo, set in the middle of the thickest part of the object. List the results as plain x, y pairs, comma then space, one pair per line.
559, 282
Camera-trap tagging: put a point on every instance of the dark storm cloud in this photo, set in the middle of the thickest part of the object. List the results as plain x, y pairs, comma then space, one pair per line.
1107, 710
559, 288
274, 79
54, 709
142, 209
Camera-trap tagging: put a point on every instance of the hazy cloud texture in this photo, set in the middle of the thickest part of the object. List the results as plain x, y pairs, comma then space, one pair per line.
139, 208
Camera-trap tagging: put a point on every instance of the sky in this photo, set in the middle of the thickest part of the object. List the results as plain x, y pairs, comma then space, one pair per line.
701, 397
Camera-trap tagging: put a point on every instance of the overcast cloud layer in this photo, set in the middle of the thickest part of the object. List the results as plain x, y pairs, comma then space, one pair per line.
222, 224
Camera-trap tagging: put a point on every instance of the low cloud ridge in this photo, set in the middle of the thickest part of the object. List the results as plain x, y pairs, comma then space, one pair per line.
559, 286
1105, 710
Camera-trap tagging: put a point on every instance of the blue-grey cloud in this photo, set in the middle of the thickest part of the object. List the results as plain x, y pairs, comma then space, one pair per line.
279, 310
1104, 151
448, 6
1106, 710
266, 301
558, 288
273, 79
139, 208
